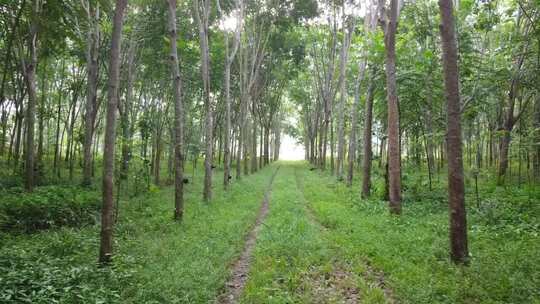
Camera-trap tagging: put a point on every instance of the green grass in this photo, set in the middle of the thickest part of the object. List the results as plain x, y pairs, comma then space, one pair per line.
156, 259
319, 244
412, 249
294, 261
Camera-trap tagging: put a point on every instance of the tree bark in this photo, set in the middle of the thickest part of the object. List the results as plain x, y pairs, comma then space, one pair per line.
105, 252
354, 123
229, 59
205, 72
456, 189
342, 97
394, 154
226, 148
30, 77
125, 120
178, 116
368, 121
254, 162
92, 53
536, 164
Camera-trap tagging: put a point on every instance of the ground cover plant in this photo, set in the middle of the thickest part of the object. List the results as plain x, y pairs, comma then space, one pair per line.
269, 151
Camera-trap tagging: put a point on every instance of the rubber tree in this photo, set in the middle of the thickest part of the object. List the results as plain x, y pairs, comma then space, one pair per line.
456, 188
178, 115
229, 59
30, 78
202, 16
107, 221
389, 24
91, 106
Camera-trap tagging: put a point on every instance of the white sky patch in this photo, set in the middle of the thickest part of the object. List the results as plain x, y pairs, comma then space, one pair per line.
290, 149
229, 23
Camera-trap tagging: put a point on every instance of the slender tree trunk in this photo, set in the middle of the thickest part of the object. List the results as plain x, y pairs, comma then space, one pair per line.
246, 148
394, 155
354, 123
229, 59
536, 164
157, 162
30, 77
205, 71
226, 148
277, 141
41, 125
456, 187
92, 40
178, 116
71, 139
266, 146
3, 122
18, 136
125, 119
429, 131
342, 98
368, 121
239, 151
107, 222
332, 161
254, 144
261, 136
323, 142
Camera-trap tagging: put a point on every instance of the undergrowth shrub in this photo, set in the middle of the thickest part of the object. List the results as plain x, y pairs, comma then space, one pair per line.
36, 278
47, 207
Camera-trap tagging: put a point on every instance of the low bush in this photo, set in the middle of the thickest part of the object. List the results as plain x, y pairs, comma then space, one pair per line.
28, 275
46, 208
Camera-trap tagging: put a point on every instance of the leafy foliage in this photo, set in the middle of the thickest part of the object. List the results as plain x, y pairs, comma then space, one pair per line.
47, 207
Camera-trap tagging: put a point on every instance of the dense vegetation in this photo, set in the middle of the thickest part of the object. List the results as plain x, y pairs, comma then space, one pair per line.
140, 147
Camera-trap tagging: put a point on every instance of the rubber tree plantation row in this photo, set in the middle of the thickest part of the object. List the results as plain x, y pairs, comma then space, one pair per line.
155, 133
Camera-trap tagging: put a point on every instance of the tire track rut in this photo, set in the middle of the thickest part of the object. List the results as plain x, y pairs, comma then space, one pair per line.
240, 268
372, 274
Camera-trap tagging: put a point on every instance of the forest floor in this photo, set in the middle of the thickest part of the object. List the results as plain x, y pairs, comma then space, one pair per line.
284, 235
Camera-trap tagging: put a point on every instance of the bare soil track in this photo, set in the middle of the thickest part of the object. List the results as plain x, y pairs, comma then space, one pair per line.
240, 269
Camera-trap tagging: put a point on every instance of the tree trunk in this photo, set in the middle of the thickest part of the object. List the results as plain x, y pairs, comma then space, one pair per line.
332, 161
277, 141
157, 162
342, 98
92, 52
41, 125
354, 123
261, 155
105, 252
226, 140
125, 120
394, 154
18, 136
178, 116
429, 132
456, 188
536, 164
3, 122
266, 146
239, 146
254, 144
30, 77
205, 71
368, 121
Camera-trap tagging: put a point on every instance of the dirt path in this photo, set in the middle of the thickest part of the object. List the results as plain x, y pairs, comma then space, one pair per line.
372, 274
240, 269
